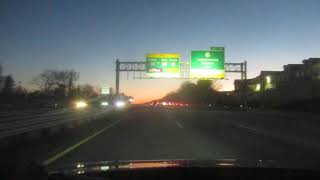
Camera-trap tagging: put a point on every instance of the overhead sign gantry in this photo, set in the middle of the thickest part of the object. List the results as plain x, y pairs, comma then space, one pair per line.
203, 64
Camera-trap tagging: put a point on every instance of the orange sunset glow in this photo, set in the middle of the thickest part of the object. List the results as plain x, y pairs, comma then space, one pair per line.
147, 90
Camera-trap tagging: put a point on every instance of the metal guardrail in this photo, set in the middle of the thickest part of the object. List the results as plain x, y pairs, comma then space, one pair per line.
15, 113
18, 116
12, 124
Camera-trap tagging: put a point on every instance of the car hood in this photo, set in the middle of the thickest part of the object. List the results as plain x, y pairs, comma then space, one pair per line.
80, 168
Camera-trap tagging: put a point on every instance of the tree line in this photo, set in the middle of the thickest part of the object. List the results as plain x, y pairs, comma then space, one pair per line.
52, 86
202, 92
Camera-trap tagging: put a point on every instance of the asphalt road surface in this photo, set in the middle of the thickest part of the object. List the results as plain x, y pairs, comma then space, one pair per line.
147, 133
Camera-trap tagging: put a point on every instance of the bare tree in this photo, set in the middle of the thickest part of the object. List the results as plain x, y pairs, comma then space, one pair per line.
65, 79
46, 80
1, 78
8, 85
85, 91
53, 79
0, 70
72, 76
20, 90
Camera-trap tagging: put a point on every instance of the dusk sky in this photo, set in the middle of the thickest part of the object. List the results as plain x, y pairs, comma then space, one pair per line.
90, 35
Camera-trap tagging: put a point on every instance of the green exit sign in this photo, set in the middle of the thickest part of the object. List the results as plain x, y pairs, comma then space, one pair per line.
207, 64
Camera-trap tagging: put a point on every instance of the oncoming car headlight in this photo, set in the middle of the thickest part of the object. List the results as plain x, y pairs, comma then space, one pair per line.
120, 104
81, 104
104, 103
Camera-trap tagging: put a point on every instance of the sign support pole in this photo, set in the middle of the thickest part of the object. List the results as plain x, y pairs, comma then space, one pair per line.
244, 85
117, 76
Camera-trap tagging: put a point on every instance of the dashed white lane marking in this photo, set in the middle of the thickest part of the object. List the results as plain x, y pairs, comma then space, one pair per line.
179, 125
248, 128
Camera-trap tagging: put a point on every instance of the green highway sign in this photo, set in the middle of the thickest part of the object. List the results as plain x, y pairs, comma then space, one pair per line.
163, 65
207, 64
216, 48
105, 90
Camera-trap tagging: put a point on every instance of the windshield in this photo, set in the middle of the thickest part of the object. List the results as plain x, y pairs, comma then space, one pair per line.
95, 81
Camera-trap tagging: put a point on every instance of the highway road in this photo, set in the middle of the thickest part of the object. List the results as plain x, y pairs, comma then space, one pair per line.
148, 133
